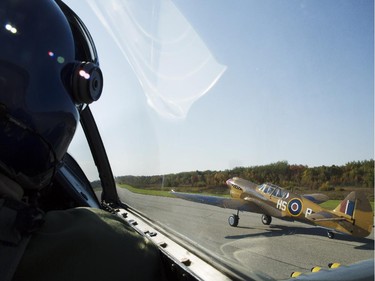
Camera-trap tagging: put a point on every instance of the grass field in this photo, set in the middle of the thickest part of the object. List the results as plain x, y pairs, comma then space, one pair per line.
330, 204
146, 191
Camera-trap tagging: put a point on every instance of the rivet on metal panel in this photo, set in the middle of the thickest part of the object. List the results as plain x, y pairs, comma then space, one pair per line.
163, 244
185, 261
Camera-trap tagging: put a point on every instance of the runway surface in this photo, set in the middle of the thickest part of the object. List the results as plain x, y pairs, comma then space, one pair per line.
277, 250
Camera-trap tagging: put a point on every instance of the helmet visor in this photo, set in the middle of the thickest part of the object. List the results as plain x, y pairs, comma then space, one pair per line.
20, 142
26, 156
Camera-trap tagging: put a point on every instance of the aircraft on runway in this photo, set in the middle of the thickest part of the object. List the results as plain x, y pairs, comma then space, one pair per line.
353, 216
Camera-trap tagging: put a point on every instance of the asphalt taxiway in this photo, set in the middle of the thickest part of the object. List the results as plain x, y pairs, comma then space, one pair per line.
277, 250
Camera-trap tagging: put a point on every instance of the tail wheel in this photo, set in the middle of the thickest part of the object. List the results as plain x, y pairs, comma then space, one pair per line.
233, 220
330, 234
266, 219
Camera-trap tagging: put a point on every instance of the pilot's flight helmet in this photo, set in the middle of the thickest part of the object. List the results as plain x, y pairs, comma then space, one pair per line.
48, 72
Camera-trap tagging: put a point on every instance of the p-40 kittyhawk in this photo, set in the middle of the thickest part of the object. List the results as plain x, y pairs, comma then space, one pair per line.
353, 216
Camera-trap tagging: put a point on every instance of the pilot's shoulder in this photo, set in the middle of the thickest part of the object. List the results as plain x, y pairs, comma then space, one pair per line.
77, 239
93, 226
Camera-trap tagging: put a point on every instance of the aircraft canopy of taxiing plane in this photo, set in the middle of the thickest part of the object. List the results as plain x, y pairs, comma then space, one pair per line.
353, 216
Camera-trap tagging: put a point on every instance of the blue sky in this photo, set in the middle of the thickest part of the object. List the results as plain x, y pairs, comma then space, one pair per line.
295, 82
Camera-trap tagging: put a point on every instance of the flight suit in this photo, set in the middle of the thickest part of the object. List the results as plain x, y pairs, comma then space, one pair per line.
87, 244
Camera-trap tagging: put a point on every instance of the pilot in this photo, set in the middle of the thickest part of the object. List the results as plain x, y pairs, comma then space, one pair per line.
48, 72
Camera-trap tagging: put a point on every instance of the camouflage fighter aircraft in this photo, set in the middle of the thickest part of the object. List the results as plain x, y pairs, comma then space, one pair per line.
353, 216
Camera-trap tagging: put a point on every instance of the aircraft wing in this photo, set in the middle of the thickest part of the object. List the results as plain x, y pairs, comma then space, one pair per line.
316, 198
222, 202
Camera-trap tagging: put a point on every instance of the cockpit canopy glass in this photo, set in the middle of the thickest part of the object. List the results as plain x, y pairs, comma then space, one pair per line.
273, 190
200, 92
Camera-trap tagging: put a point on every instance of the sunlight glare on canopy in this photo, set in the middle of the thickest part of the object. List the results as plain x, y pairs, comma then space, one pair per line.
173, 65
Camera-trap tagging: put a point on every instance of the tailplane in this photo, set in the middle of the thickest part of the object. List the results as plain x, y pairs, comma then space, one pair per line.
356, 207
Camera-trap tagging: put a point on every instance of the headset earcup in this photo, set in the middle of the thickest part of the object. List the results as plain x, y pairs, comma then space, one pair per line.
87, 82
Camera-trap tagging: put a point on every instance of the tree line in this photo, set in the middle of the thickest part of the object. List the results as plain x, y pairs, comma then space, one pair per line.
323, 178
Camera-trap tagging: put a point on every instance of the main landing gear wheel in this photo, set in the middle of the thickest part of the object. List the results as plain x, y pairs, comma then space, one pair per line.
266, 219
233, 220
330, 234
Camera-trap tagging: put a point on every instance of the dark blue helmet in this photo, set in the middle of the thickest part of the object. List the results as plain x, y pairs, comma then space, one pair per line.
48, 72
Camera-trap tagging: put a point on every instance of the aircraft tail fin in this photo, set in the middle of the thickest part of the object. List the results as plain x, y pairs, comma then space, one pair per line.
347, 205
357, 208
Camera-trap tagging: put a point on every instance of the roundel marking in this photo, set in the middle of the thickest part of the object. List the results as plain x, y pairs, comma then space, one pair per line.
295, 207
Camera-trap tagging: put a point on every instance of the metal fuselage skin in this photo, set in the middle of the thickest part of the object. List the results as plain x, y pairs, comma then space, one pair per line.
288, 204
353, 216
